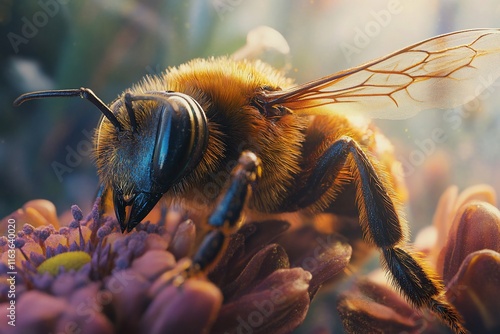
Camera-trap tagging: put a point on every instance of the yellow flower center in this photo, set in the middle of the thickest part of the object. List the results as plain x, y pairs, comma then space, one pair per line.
68, 260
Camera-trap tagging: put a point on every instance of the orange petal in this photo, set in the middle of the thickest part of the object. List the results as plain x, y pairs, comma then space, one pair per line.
55, 240
480, 192
45, 208
426, 240
443, 218
37, 212
74, 235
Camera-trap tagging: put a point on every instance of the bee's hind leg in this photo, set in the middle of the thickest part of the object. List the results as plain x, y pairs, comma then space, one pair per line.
381, 223
226, 215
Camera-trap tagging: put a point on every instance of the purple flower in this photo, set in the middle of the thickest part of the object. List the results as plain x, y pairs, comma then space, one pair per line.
87, 276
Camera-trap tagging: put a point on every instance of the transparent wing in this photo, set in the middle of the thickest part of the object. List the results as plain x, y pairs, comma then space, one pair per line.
442, 72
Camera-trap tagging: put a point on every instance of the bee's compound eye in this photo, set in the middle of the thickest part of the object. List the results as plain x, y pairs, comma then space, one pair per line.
181, 139
199, 130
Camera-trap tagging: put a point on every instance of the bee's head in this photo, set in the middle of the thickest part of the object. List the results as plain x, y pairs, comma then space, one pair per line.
145, 143
163, 136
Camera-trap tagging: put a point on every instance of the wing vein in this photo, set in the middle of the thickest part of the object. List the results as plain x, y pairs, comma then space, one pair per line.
435, 73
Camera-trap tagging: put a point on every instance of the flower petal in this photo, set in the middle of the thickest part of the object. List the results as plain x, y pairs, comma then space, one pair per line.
98, 323
30, 248
443, 217
36, 213
38, 312
476, 227
55, 240
129, 299
479, 192
74, 236
242, 246
40, 212
265, 262
86, 312
155, 241
153, 263
360, 315
475, 291
449, 204
190, 308
324, 256
66, 283
426, 240
374, 308
276, 305
184, 239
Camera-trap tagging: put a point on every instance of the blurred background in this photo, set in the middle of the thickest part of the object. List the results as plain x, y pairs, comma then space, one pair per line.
54, 44
108, 46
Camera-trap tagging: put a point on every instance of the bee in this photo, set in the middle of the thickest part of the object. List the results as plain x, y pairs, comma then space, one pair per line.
288, 148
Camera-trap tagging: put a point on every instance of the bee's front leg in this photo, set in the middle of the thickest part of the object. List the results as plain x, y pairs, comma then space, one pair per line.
106, 207
226, 215
105, 199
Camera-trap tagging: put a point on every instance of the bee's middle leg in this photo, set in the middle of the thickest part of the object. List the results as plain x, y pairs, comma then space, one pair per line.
226, 215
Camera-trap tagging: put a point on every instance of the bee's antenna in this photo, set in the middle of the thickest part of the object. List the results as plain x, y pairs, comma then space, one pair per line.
84, 93
130, 110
